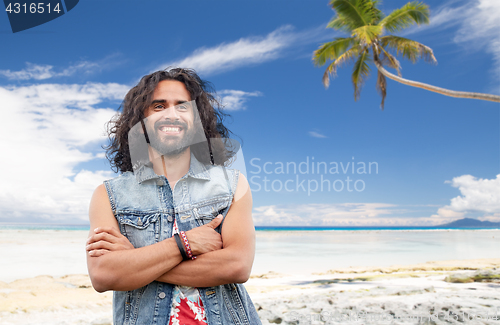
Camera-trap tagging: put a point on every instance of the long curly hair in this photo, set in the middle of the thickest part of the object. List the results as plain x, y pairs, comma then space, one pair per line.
141, 96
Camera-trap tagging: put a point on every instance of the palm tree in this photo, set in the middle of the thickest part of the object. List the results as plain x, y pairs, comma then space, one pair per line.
369, 43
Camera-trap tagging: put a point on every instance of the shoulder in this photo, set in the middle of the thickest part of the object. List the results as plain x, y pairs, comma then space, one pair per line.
242, 187
99, 200
99, 192
108, 186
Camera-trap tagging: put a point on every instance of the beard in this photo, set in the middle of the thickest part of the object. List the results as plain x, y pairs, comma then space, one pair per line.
170, 145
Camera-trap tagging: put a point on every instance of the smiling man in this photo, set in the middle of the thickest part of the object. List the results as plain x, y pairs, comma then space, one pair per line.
173, 234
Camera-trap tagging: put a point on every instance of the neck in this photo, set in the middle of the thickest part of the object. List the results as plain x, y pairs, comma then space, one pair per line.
172, 167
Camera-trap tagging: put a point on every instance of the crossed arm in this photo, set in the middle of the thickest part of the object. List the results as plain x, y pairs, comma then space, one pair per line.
114, 264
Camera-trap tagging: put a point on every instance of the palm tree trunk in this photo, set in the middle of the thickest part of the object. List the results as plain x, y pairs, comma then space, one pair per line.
442, 91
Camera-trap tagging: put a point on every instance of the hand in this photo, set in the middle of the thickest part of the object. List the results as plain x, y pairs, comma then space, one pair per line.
205, 239
105, 240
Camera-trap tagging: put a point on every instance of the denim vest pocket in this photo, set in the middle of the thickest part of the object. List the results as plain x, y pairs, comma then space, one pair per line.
207, 213
140, 228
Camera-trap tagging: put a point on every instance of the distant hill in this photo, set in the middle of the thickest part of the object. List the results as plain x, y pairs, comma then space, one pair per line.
470, 223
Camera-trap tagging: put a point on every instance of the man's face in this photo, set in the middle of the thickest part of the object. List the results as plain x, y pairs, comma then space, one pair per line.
170, 118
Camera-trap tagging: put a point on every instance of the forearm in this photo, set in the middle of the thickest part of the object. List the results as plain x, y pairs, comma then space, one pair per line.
228, 265
130, 269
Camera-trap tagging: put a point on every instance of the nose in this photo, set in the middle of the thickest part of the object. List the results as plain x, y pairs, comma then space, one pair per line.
170, 113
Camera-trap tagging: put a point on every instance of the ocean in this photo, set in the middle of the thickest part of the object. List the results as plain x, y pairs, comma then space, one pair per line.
308, 251
31, 250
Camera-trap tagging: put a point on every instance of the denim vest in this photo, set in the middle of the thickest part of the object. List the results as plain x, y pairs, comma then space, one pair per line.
145, 209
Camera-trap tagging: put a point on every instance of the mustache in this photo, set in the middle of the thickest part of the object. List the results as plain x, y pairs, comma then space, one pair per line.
159, 124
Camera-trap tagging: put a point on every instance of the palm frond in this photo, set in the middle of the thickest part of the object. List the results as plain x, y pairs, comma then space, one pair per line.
390, 60
412, 13
361, 72
408, 48
367, 34
349, 56
376, 14
382, 88
340, 23
357, 13
341, 60
332, 50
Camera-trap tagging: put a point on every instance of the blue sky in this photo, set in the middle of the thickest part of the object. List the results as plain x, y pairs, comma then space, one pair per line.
437, 157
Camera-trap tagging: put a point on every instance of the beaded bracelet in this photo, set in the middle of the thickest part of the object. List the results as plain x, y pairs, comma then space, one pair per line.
181, 247
186, 244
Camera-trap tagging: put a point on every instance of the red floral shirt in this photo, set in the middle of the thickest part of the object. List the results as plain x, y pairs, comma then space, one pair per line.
187, 307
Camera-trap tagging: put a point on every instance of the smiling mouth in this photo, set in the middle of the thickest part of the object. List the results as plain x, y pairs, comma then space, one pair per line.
170, 129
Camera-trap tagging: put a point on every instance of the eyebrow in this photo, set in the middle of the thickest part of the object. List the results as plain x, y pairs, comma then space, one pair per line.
163, 101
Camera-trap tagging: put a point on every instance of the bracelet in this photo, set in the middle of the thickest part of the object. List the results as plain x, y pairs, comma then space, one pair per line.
186, 244
181, 247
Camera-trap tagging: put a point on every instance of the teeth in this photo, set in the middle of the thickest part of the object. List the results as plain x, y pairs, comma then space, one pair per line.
170, 129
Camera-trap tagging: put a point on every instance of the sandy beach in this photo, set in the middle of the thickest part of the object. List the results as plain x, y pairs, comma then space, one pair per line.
443, 292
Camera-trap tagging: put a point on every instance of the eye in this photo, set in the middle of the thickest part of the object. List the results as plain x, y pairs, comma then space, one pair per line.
182, 107
158, 107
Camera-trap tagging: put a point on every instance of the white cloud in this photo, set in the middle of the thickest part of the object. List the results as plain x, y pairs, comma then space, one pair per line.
245, 51
317, 135
45, 71
234, 100
491, 218
480, 29
32, 71
47, 131
41, 72
250, 50
450, 14
479, 21
343, 215
444, 17
477, 195
478, 26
